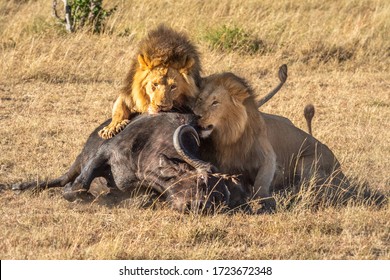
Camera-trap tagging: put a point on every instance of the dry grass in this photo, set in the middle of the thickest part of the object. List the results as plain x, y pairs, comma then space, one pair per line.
55, 88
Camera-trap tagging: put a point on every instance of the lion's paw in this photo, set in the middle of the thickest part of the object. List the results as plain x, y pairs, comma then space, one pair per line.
106, 133
120, 126
112, 129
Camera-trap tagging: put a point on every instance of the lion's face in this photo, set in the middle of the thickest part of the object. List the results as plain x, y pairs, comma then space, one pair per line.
211, 107
166, 88
221, 108
159, 86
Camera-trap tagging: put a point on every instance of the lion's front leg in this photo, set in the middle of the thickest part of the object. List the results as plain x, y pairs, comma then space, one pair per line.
262, 185
120, 119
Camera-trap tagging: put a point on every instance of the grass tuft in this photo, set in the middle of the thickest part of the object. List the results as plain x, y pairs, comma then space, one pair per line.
231, 39
322, 53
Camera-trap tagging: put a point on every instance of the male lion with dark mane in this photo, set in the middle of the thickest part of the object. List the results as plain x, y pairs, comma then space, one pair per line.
229, 115
164, 73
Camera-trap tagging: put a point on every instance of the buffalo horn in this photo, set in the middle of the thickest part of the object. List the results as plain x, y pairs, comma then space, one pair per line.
184, 153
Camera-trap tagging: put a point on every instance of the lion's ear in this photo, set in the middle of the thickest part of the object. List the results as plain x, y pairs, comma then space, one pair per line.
239, 96
189, 62
144, 62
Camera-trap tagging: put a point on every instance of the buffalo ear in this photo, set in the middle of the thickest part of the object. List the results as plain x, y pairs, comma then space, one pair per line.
188, 63
163, 160
144, 62
165, 167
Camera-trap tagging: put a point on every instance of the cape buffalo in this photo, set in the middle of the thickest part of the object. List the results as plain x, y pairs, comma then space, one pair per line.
159, 152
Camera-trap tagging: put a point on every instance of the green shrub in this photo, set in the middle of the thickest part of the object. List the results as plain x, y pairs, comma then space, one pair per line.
89, 14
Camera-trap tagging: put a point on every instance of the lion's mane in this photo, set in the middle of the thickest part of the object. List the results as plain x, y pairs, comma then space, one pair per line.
162, 47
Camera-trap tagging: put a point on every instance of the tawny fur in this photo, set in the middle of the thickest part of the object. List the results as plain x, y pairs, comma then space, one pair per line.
239, 133
303, 160
164, 73
245, 140
258, 145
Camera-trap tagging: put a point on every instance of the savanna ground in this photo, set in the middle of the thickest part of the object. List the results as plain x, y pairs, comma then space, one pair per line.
55, 88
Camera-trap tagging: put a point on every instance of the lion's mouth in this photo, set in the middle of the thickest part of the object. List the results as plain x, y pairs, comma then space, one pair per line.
152, 110
155, 109
164, 108
206, 131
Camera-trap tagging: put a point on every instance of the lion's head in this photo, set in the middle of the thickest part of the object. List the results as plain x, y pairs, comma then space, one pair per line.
162, 87
165, 72
223, 106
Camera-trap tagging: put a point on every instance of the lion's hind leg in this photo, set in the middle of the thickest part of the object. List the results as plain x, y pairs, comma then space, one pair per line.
325, 184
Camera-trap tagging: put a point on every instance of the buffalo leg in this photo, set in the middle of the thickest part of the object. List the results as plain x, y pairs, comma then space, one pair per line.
80, 187
61, 181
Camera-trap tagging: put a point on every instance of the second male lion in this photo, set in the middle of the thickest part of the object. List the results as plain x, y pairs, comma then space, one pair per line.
259, 145
164, 73
229, 115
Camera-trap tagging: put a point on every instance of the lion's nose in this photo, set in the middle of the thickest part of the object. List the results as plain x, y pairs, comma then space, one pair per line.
198, 117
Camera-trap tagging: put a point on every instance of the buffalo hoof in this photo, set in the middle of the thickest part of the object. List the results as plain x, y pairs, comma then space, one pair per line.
20, 187
17, 187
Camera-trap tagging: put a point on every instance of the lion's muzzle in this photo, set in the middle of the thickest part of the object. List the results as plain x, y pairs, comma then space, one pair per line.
206, 131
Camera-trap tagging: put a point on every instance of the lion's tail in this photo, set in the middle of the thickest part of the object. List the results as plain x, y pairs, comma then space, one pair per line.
308, 112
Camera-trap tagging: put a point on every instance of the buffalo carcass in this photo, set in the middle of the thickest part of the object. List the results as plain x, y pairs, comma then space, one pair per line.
158, 152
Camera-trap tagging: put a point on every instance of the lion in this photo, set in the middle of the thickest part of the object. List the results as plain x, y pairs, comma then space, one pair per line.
268, 150
229, 115
164, 74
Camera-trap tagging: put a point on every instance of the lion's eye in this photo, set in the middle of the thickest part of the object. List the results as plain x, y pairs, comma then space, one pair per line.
155, 86
173, 87
215, 103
